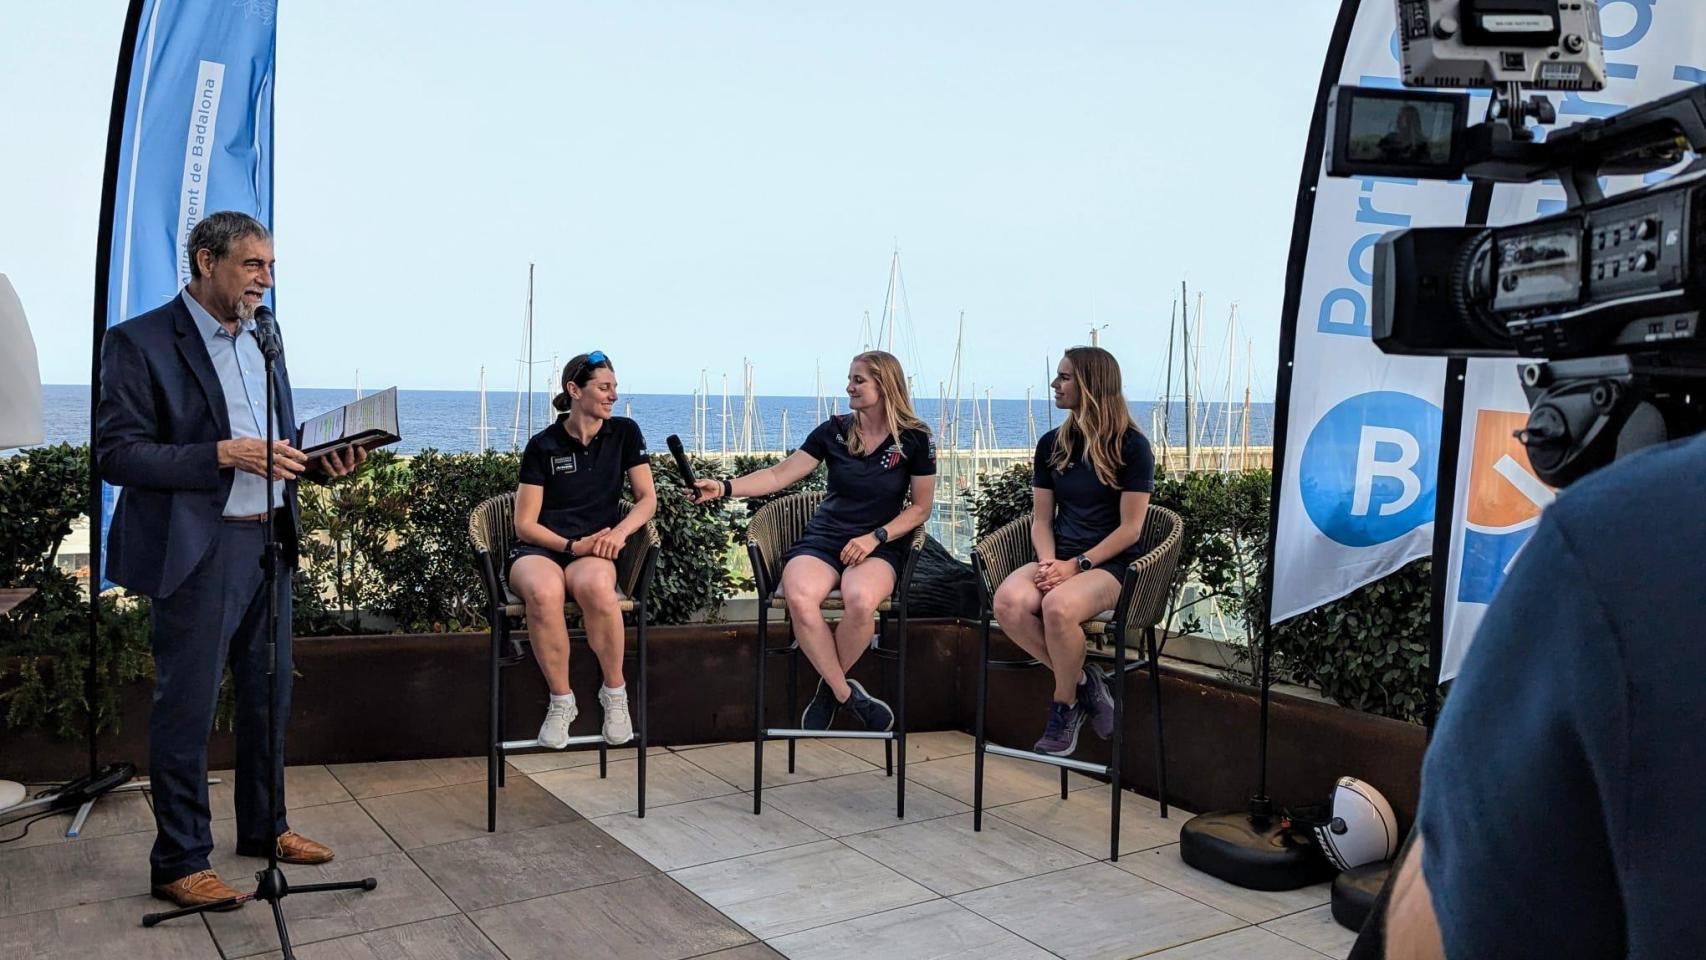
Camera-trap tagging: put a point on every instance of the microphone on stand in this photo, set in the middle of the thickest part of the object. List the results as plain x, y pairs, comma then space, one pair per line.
266, 333
681, 464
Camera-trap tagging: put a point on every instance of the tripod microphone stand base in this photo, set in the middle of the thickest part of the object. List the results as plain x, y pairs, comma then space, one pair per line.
1250, 849
271, 887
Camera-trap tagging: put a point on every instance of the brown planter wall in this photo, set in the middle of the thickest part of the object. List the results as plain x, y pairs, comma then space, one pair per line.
404, 697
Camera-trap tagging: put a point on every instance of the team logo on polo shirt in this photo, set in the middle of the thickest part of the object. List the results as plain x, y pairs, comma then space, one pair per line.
892, 456
563, 464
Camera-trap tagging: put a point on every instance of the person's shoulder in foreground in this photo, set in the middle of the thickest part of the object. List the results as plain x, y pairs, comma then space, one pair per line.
1561, 793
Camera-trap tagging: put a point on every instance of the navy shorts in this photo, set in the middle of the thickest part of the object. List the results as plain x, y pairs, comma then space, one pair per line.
828, 549
559, 557
1116, 566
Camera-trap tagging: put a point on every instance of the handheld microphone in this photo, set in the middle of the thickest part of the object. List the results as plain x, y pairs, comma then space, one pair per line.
681, 464
266, 333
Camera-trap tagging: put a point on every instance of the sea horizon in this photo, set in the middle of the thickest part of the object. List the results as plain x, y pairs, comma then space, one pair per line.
448, 420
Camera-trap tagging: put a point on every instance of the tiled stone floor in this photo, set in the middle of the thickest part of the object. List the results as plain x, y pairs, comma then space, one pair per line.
826, 873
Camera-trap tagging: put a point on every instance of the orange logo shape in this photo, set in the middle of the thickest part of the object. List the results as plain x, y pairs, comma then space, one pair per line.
1503, 491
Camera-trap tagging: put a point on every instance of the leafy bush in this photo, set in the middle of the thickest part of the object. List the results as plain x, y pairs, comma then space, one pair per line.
431, 584
44, 642
692, 574
1001, 498
738, 514
351, 522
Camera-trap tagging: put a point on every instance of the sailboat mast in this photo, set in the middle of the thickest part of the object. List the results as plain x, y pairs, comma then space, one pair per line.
1167, 394
1030, 419
1185, 367
1249, 358
530, 349
483, 445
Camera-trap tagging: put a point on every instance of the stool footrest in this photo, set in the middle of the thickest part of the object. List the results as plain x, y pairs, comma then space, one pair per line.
1081, 766
510, 746
780, 733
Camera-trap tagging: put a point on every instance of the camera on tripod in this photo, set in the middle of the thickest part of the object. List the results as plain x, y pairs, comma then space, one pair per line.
1604, 297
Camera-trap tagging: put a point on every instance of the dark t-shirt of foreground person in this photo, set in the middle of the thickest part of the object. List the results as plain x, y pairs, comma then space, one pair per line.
1563, 809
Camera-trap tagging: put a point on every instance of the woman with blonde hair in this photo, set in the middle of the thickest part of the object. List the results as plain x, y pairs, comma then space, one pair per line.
878, 455
1091, 481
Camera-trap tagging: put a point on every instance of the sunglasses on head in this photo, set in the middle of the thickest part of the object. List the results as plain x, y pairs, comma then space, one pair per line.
593, 359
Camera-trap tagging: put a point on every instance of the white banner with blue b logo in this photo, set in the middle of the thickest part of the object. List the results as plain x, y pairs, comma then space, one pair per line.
196, 137
1363, 428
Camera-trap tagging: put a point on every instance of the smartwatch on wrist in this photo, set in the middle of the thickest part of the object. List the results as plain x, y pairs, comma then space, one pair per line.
728, 488
882, 534
1084, 564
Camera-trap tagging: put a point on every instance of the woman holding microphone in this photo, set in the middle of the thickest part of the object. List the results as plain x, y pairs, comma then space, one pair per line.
569, 533
1091, 481
878, 455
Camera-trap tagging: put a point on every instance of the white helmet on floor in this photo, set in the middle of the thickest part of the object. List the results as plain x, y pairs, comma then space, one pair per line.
1361, 828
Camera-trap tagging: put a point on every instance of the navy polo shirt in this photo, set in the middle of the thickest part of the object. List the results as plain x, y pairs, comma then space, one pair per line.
1086, 510
865, 492
582, 483
1562, 792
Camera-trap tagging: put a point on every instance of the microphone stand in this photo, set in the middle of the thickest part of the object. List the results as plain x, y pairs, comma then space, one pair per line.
271, 885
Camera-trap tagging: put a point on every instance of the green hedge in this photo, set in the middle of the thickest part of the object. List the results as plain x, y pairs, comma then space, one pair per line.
43, 490
393, 554
1367, 651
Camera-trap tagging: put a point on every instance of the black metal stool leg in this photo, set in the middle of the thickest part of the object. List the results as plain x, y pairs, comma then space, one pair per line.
497, 724
1118, 747
759, 656
1154, 655
793, 698
977, 731
640, 693
900, 712
1063, 783
494, 738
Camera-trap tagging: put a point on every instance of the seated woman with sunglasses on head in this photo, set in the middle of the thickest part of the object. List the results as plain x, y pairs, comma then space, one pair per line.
877, 455
569, 533
1092, 477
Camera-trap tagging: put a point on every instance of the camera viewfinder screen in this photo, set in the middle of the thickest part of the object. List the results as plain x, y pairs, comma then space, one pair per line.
1388, 130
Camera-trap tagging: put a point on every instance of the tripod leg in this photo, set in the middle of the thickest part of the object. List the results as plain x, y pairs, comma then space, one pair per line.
283, 932
150, 919
368, 884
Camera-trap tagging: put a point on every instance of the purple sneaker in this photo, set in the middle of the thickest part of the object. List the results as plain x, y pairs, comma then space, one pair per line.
1097, 701
1060, 738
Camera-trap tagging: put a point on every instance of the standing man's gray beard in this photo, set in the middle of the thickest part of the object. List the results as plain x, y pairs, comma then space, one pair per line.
244, 310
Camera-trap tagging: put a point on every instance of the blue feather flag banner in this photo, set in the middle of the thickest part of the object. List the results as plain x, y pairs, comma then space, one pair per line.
191, 133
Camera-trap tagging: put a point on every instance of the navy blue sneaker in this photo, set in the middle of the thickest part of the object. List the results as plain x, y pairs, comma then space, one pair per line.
873, 713
1060, 738
1097, 701
820, 712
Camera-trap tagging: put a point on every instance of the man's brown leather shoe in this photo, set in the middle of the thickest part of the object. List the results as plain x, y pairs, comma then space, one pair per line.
293, 847
203, 886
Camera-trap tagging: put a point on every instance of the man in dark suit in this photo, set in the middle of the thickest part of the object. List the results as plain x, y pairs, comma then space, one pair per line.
181, 428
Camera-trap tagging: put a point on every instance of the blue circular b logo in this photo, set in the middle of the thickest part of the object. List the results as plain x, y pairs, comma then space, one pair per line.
1369, 468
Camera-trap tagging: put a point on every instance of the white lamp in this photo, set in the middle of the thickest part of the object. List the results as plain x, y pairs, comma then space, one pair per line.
20, 412
20, 380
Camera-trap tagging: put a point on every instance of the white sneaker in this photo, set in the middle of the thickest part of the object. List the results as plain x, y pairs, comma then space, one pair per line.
618, 726
554, 733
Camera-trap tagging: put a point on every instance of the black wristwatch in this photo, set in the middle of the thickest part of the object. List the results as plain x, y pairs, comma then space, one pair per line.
1084, 564
882, 534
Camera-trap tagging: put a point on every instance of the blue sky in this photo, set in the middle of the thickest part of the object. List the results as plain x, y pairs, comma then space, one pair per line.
700, 182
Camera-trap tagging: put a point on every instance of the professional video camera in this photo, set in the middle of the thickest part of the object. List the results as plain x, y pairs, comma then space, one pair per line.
1606, 296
